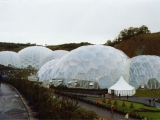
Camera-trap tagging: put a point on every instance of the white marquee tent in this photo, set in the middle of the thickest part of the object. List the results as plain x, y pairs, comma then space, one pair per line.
122, 87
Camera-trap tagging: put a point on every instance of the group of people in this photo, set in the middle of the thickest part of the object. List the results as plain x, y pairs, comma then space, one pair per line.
120, 96
153, 101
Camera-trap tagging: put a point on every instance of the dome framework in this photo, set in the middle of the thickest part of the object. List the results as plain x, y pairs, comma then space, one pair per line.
45, 71
57, 54
32, 57
92, 64
10, 59
145, 71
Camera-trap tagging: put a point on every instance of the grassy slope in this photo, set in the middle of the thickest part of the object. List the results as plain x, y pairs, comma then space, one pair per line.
151, 43
148, 93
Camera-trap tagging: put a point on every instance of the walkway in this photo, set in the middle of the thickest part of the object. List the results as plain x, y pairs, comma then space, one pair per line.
143, 100
11, 105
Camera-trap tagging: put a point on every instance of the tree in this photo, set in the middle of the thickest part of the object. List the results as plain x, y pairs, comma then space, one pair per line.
143, 29
108, 42
126, 33
132, 31
123, 34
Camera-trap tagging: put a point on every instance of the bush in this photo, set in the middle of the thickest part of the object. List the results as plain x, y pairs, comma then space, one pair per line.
84, 114
43, 102
131, 106
104, 100
109, 101
123, 104
115, 102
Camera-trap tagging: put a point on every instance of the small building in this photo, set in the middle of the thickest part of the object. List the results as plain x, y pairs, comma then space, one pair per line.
121, 87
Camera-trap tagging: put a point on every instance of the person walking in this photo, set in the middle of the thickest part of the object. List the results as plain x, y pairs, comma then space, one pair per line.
119, 96
149, 101
126, 116
112, 109
127, 97
1, 78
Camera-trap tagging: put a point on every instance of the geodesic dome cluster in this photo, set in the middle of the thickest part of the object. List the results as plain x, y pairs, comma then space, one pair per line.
45, 71
145, 71
30, 57
99, 63
9, 58
33, 56
94, 63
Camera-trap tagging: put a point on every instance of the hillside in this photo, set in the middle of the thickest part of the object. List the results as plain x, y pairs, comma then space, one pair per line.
13, 46
17, 46
68, 47
143, 44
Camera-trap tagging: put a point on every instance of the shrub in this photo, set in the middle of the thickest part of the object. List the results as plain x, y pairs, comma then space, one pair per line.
123, 104
115, 102
104, 100
98, 102
109, 101
84, 114
131, 106
44, 103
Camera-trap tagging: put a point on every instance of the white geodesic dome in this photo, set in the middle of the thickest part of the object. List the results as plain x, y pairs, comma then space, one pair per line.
57, 54
103, 64
33, 56
145, 71
45, 71
9, 58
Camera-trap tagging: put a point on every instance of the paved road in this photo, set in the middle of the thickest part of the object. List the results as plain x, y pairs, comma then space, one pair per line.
11, 106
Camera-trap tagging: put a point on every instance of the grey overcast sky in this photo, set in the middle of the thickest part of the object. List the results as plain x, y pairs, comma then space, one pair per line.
55, 22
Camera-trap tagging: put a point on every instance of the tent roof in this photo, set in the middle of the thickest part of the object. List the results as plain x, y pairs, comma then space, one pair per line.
121, 84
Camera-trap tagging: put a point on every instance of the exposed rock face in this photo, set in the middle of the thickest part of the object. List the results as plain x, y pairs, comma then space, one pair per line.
140, 50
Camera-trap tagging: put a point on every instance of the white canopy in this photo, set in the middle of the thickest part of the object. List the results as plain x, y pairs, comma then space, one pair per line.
122, 87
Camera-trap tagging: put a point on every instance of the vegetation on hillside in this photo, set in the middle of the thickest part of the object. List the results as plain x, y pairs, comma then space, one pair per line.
18, 46
127, 33
68, 47
137, 41
143, 44
13, 46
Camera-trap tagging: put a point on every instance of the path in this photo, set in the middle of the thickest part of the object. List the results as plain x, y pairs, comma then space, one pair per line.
11, 105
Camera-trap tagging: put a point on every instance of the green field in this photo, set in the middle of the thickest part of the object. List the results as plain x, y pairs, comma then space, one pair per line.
139, 109
147, 93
